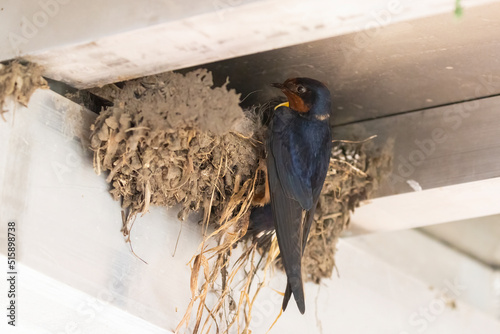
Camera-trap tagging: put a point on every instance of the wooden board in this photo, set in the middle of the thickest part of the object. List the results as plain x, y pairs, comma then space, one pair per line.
476, 237
89, 43
391, 69
437, 147
428, 207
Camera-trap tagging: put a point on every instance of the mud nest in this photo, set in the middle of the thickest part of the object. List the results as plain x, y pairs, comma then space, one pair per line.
19, 81
174, 139
356, 169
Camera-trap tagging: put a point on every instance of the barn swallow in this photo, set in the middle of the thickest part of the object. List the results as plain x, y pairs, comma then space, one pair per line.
298, 154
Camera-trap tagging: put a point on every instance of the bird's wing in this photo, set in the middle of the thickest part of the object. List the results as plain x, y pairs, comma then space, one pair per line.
292, 161
287, 214
306, 227
295, 186
317, 185
291, 193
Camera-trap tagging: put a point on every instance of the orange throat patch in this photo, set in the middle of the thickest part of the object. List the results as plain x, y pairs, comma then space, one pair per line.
296, 103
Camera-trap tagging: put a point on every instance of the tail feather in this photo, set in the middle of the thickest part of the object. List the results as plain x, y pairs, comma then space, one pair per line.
286, 297
299, 298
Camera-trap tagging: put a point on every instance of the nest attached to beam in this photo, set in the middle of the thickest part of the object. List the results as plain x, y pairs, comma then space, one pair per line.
19, 81
355, 171
174, 139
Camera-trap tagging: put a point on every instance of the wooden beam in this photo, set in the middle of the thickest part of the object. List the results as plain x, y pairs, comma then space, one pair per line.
404, 66
446, 166
478, 238
88, 42
47, 304
69, 226
436, 147
428, 207
435, 264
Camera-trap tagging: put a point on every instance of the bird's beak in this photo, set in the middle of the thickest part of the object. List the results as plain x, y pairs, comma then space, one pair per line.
284, 104
284, 90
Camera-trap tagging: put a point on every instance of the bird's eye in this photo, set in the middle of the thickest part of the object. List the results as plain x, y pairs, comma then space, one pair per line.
301, 89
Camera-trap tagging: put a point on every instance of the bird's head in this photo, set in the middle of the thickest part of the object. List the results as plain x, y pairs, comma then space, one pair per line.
306, 95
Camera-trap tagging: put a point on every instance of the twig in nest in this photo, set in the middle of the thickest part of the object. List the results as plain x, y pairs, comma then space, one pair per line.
117, 167
211, 202
138, 128
255, 91
318, 320
359, 171
331, 216
129, 234
353, 141
147, 198
251, 139
185, 176
178, 237
198, 260
213, 318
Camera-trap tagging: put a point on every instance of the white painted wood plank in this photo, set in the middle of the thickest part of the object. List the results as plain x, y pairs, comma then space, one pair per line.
427, 207
479, 237
47, 305
435, 264
435, 147
88, 43
370, 288
69, 226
